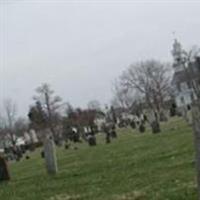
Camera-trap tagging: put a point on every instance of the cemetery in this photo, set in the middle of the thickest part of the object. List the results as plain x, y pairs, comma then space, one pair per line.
99, 100
142, 151
134, 166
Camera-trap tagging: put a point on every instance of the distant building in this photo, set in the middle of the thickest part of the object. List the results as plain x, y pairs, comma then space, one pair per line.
186, 76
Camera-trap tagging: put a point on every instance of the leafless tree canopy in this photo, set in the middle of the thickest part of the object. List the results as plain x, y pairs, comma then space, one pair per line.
46, 97
10, 109
94, 105
50, 104
122, 97
151, 78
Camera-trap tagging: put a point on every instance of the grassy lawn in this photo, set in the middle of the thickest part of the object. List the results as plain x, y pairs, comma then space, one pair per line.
133, 167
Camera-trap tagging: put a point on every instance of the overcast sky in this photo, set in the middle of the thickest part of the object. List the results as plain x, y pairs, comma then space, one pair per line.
80, 47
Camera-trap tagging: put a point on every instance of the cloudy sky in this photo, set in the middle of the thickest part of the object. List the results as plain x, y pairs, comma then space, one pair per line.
80, 47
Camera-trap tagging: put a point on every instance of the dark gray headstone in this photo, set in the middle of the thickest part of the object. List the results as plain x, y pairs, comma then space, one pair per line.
4, 171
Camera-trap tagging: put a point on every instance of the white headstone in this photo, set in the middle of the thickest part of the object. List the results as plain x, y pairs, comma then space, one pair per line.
33, 136
27, 138
50, 156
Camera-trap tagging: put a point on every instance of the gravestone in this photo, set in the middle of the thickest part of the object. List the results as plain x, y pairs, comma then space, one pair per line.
67, 144
50, 156
142, 128
42, 154
163, 116
132, 124
190, 118
92, 140
173, 111
27, 138
33, 136
108, 137
155, 127
4, 172
113, 132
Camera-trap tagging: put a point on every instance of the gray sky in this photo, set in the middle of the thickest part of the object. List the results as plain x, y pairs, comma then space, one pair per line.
80, 47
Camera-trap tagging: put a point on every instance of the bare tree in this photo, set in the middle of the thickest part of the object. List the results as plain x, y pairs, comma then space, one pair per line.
122, 97
94, 105
152, 80
51, 104
10, 109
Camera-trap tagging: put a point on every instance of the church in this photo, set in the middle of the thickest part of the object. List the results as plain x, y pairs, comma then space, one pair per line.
186, 78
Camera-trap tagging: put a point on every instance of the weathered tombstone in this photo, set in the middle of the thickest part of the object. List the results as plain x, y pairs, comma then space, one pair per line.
17, 153
113, 132
4, 172
42, 154
142, 128
50, 156
155, 127
190, 119
108, 137
34, 139
92, 140
33, 136
132, 124
163, 117
76, 136
27, 138
145, 118
173, 111
67, 144
121, 124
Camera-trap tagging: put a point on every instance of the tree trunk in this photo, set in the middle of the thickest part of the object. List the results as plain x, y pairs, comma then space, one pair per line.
196, 130
155, 124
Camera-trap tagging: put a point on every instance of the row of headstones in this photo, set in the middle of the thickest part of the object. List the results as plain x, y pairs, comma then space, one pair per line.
50, 153
50, 161
141, 125
90, 136
17, 152
110, 132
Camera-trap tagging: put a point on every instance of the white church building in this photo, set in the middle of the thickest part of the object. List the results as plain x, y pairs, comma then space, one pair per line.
185, 77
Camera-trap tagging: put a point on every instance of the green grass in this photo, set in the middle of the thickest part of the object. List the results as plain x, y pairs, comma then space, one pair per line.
133, 167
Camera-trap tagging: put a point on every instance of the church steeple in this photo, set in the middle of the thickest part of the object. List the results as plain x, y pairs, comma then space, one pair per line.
178, 55
177, 50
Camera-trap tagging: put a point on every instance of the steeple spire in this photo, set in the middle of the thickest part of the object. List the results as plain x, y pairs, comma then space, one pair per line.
178, 55
177, 51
